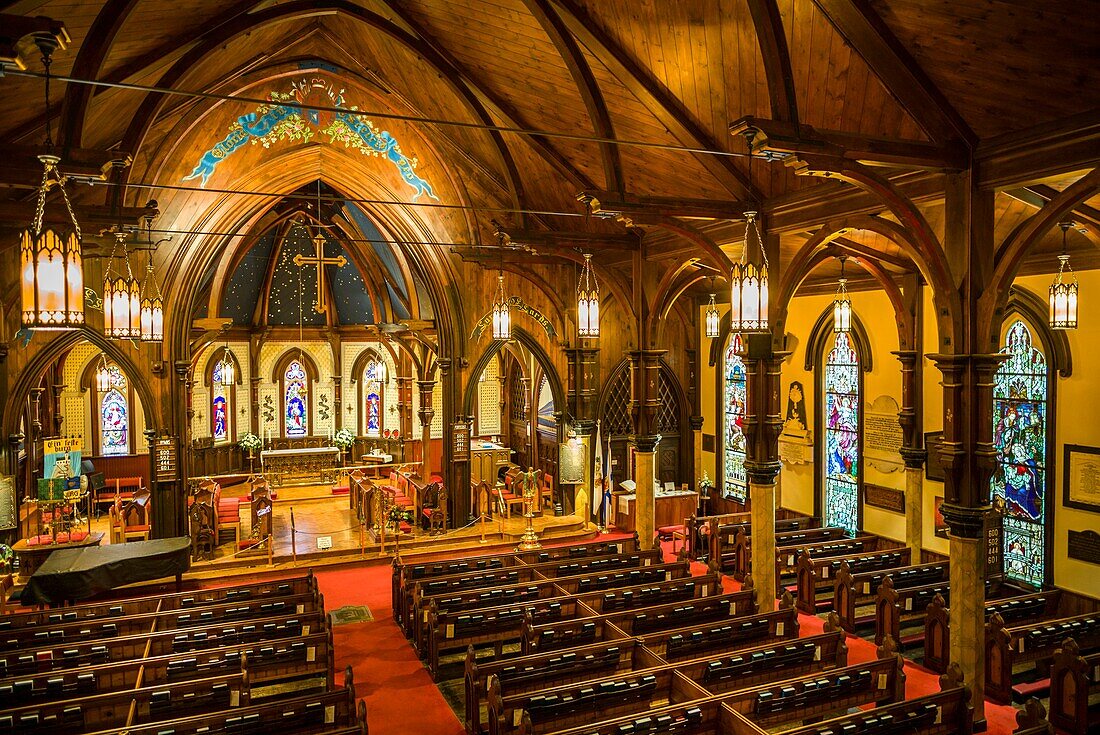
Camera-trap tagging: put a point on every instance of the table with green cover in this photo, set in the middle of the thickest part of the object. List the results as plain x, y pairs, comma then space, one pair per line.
77, 574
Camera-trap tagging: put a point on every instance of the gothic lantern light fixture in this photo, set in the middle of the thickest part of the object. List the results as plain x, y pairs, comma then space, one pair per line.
228, 367
842, 305
152, 307
710, 317
102, 375
121, 296
502, 320
749, 283
588, 301
1063, 292
51, 262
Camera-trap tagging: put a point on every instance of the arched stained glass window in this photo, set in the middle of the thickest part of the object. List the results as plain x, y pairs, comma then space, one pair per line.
114, 416
736, 394
372, 377
842, 436
296, 400
1020, 438
219, 404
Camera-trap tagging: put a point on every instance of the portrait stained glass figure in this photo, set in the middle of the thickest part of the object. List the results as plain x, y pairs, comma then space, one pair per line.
842, 451
114, 416
736, 394
219, 405
373, 378
296, 403
1020, 439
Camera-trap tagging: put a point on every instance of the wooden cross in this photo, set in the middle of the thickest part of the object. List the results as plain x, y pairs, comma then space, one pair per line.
320, 261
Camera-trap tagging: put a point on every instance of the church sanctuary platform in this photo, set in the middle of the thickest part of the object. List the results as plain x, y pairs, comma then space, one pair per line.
550, 367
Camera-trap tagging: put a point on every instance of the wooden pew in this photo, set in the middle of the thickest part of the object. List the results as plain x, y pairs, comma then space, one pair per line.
787, 544
721, 533
493, 625
745, 667
472, 599
816, 574
100, 628
548, 710
328, 713
649, 595
1074, 683
178, 600
280, 660
1018, 608
131, 706
1009, 649
542, 670
1032, 719
61, 657
797, 699
852, 590
679, 644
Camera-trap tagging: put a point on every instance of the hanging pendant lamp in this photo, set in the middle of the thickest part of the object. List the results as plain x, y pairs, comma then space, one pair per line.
1063, 292
749, 284
711, 317
842, 305
152, 307
102, 375
588, 301
502, 322
121, 296
227, 367
51, 262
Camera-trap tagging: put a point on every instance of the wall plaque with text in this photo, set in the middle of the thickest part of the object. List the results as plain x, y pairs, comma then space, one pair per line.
166, 458
1085, 546
571, 463
461, 440
887, 498
1082, 481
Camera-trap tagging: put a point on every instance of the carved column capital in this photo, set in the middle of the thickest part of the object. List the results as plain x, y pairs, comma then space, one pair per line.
763, 473
647, 443
696, 423
914, 457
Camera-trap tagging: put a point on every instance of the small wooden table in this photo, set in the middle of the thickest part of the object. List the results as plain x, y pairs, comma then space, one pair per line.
32, 557
670, 509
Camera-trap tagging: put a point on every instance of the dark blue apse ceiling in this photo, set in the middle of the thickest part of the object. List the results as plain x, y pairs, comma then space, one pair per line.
294, 289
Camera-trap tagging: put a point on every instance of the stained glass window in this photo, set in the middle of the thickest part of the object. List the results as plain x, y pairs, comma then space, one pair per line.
296, 404
842, 451
114, 415
372, 377
1020, 438
735, 482
219, 404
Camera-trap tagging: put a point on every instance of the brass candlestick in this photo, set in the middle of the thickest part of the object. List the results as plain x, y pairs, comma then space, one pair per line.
530, 540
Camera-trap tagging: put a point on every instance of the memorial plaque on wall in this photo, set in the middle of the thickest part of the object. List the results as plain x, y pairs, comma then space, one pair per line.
882, 435
461, 441
1085, 546
1082, 478
571, 463
166, 459
887, 498
8, 517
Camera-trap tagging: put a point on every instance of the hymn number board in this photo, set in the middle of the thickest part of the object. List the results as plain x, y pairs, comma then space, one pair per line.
166, 457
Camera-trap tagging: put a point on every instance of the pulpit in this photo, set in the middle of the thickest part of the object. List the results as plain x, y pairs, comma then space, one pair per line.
486, 459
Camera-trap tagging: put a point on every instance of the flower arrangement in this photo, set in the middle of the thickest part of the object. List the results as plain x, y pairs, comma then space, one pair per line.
250, 443
399, 515
344, 438
705, 485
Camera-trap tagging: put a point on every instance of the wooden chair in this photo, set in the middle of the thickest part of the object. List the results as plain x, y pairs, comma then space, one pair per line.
434, 509
135, 517
202, 520
7, 582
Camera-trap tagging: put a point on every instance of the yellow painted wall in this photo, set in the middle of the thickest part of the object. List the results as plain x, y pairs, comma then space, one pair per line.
1077, 406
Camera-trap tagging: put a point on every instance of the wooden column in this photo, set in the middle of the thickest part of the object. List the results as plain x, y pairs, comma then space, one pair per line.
644, 407
426, 413
763, 424
582, 398
967, 452
696, 423
912, 450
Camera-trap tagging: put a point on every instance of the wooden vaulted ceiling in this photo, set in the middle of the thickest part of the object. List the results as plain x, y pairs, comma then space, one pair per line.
672, 73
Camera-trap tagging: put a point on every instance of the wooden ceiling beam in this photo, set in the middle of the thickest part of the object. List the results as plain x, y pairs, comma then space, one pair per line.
542, 239
778, 140
860, 250
1054, 148
670, 111
891, 62
587, 86
772, 40
17, 45
637, 207
1038, 195
20, 167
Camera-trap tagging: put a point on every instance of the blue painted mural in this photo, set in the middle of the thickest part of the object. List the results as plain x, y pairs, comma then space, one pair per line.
284, 119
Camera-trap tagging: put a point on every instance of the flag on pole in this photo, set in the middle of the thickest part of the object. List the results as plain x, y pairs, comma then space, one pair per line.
597, 475
605, 503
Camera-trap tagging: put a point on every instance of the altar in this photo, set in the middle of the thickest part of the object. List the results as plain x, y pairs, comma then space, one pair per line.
304, 463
